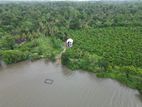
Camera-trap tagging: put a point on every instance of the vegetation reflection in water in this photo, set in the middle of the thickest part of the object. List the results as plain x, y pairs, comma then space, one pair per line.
22, 84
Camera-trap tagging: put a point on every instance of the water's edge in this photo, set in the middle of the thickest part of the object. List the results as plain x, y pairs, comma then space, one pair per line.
26, 84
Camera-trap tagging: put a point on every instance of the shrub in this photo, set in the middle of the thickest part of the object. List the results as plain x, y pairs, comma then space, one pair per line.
13, 56
129, 69
103, 64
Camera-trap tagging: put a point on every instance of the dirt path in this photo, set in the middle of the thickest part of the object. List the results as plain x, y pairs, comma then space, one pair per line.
58, 57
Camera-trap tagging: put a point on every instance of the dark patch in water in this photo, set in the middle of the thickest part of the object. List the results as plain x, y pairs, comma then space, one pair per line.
48, 81
139, 96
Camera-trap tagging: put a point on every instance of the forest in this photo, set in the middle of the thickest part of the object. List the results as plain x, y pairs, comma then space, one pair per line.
107, 36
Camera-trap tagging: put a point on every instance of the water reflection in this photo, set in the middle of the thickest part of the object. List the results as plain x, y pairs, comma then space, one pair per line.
139, 96
67, 72
23, 86
2, 64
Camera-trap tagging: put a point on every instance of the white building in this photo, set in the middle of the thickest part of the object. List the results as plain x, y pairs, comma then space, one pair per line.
69, 42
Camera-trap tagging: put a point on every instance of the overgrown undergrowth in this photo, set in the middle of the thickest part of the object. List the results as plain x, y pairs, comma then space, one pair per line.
107, 36
42, 47
112, 52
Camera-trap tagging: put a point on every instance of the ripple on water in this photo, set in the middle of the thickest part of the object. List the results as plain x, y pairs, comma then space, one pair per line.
23, 85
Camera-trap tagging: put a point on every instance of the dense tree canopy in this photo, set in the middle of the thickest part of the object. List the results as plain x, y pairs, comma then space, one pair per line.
107, 36
48, 18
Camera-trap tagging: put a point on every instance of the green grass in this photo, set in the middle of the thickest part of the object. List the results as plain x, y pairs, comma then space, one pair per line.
42, 47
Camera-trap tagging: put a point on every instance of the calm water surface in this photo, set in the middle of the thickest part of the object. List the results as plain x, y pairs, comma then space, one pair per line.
23, 85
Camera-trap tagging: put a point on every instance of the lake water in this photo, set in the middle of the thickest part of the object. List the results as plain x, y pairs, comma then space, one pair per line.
46, 84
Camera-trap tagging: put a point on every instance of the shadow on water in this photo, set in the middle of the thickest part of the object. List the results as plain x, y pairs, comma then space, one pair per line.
93, 76
139, 96
67, 72
46, 61
2, 64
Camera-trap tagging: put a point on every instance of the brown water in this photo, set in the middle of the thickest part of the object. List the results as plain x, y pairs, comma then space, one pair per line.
23, 85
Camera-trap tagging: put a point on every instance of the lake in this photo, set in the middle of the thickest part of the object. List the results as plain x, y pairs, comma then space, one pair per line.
45, 84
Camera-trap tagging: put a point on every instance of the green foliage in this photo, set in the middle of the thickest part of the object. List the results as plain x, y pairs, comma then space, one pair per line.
103, 64
117, 45
116, 50
48, 18
7, 42
42, 47
107, 36
13, 56
129, 70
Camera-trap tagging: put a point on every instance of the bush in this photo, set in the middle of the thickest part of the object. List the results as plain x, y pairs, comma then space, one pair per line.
65, 59
13, 56
103, 64
129, 69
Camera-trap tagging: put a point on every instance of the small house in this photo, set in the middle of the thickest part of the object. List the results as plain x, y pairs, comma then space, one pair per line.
69, 42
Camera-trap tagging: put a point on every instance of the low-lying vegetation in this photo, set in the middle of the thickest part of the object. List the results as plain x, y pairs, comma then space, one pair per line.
107, 36
37, 48
110, 52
